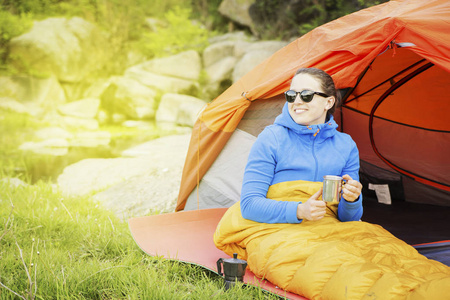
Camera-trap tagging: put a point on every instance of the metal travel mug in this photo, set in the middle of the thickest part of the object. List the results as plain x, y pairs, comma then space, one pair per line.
332, 186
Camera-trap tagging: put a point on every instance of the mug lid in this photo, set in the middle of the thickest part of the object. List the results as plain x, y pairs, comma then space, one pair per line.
234, 260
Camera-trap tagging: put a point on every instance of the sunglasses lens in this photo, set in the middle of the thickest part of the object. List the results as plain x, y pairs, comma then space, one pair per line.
290, 96
307, 96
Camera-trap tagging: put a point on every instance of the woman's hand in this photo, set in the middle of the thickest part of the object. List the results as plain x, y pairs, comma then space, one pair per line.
352, 189
313, 209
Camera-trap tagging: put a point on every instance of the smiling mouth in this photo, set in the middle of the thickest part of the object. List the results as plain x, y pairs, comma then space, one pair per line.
299, 110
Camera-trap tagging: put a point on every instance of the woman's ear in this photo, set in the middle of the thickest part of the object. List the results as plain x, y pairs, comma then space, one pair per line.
330, 102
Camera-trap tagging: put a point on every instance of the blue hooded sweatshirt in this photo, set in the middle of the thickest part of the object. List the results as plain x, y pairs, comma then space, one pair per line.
287, 151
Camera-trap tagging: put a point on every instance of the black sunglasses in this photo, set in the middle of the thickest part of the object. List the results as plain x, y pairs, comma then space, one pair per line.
305, 95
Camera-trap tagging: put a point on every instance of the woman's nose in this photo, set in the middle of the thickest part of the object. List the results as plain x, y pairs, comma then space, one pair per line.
298, 99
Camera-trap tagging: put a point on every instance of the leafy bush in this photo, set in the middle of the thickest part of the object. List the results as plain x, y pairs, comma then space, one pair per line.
207, 11
10, 27
179, 34
283, 19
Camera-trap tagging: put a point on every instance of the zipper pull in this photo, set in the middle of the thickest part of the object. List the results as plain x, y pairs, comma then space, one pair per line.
318, 129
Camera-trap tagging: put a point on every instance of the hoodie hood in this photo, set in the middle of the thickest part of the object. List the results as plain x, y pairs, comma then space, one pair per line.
323, 130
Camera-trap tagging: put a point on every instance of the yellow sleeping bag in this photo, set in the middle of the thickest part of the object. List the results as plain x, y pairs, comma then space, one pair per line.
329, 259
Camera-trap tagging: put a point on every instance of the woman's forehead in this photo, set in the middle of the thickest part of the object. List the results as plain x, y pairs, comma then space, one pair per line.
306, 81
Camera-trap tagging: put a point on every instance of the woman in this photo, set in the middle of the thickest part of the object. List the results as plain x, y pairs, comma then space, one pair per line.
302, 244
302, 144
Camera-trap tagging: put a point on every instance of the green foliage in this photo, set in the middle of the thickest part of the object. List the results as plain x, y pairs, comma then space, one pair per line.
35, 7
284, 19
125, 22
179, 34
57, 247
207, 11
10, 27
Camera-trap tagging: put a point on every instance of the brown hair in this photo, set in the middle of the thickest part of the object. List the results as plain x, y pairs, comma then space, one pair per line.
327, 84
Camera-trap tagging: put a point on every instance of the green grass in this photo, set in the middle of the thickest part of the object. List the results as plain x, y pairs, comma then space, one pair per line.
55, 247
58, 247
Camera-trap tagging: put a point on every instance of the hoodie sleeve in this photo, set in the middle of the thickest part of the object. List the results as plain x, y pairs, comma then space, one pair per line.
258, 176
351, 211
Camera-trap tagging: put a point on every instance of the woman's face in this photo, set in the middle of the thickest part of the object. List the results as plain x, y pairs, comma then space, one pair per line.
311, 113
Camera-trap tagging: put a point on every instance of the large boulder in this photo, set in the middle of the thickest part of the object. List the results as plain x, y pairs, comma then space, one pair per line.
84, 108
11, 104
57, 141
179, 109
129, 97
91, 139
174, 74
52, 147
160, 82
217, 51
186, 65
255, 54
73, 122
220, 74
68, 48
146, 180
238, 11
88, 88
220, 58
38, 94
53, 132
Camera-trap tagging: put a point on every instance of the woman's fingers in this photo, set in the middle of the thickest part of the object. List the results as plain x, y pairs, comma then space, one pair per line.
311, 210
317, 194
318, 210
351, 189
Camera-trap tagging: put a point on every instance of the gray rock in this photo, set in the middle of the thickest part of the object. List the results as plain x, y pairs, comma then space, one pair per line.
138, 124
130, 97
53, 147
140, 196
269, 46
90, 139
96, 88
217, 52
235, 36
146, 182
220, 71
8, 87
85, 108
74, 122
237, 10
170, 145
240, 48
87, 88
160, 82
248, 62
179, 109
53, 133
68, 48
38, 94
185, 65
15, 106
94, 174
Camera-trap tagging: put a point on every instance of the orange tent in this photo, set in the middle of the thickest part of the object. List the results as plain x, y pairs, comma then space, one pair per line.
391, 63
